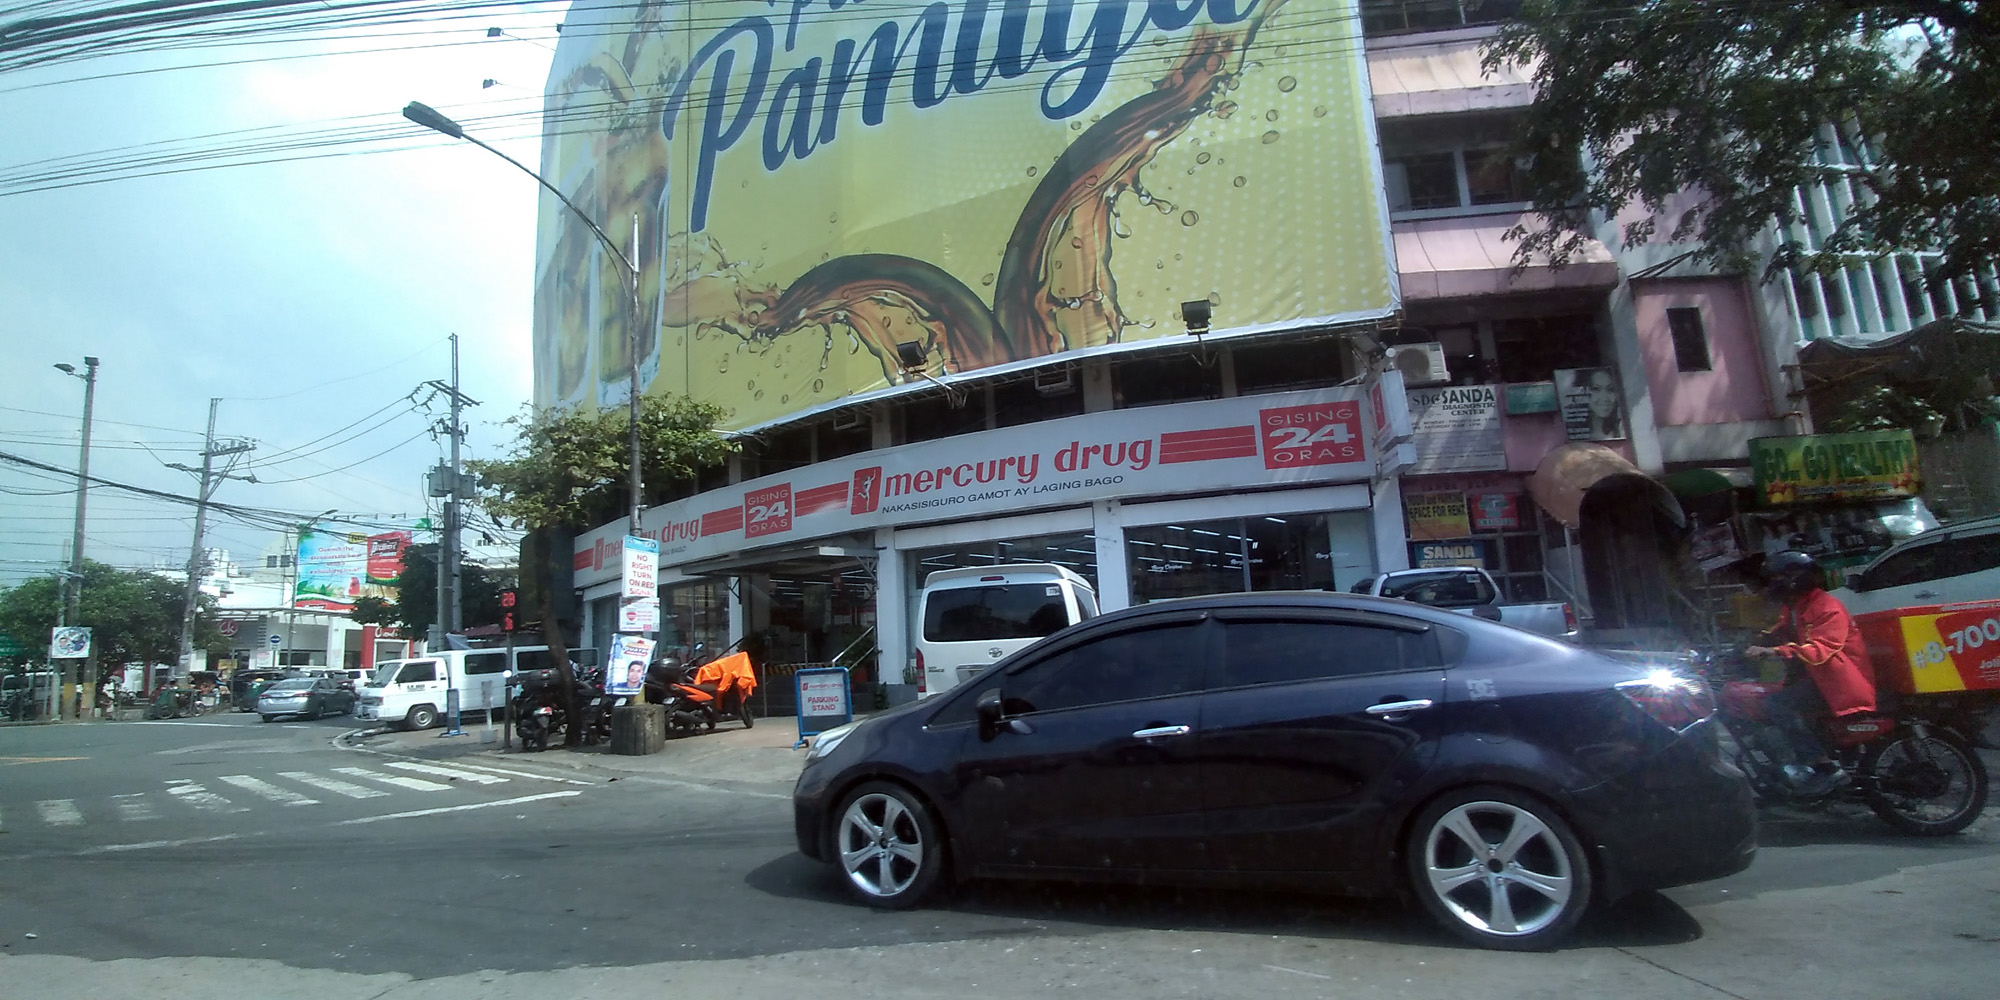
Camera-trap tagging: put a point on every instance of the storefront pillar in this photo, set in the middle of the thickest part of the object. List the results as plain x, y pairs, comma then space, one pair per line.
892, 603
1392, 547
1114, 585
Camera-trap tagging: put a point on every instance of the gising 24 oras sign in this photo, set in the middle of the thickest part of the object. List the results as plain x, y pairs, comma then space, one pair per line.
1223, 444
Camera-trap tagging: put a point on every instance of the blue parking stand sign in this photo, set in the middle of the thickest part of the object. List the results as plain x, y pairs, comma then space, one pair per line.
826, 700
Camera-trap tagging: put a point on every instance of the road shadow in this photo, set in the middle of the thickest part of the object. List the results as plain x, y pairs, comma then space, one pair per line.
1031, 907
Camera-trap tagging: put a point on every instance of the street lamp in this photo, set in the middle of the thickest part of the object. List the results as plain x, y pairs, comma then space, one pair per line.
73, 582
429, 118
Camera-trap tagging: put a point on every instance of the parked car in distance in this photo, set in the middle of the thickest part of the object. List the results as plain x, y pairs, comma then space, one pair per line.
1958, 562
969, 618
1470, 590
246, 685
1296, 740
306, 697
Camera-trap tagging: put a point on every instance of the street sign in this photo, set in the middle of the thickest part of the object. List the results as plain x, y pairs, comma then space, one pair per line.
277, 639
69, 643
9, 646
510, 618
825, 700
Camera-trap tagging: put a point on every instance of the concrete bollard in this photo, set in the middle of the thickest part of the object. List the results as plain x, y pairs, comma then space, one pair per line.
637, 730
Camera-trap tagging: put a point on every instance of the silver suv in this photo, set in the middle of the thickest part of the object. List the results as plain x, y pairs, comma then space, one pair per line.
1960, 562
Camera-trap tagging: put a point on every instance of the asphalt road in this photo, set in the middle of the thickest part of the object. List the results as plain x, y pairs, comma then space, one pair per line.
235, 858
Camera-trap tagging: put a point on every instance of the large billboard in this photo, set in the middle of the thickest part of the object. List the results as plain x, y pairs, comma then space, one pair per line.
820, 191
335, 569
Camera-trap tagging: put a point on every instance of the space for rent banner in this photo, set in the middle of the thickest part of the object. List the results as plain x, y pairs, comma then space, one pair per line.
813, 186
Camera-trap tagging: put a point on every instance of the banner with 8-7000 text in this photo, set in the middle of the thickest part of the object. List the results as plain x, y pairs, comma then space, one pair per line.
815, 186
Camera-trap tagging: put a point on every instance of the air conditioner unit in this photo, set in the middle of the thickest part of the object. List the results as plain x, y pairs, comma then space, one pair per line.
1055, 381
847, 420
1421, 364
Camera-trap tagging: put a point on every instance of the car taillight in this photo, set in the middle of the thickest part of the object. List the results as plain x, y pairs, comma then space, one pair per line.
922, 678
1676, 700
1569, 617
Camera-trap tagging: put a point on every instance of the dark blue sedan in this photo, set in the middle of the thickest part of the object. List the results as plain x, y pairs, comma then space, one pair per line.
1354, 744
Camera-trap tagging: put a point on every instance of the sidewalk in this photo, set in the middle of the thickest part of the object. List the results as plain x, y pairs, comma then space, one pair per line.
730, 756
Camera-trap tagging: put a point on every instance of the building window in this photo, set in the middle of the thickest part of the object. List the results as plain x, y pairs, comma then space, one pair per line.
1422, 181
1234, 555
1690, 340
1445, 164
1172, 378
1032, 400
1306, 364
1393, 17
1531, 349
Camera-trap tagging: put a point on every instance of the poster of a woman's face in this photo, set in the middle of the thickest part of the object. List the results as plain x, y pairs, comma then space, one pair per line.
1591, 409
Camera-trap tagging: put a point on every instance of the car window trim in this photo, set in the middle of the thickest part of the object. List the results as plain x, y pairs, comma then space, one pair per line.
1343, 616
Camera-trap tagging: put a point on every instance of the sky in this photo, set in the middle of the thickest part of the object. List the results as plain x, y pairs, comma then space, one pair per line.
312, 297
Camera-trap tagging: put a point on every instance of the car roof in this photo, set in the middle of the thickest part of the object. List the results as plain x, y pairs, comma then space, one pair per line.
1289, 600
1013, 572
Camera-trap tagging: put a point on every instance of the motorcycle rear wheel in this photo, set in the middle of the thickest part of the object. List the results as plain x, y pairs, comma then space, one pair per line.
1925, 786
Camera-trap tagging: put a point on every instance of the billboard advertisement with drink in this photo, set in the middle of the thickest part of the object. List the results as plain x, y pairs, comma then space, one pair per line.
335, 569
816, 188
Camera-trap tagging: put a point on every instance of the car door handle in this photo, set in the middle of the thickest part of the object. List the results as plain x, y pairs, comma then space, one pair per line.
1390, 708
1159, 732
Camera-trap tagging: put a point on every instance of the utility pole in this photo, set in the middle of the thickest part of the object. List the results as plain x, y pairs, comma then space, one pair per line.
73, 582
449, 482
197, 556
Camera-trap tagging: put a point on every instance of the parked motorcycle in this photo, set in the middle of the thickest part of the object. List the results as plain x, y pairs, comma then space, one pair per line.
1918, 775
539, 713
699, 695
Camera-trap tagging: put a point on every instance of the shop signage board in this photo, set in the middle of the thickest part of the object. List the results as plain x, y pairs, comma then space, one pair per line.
1494, 511
1590, 404
1456, 428
1248, 442
1864, 465
639, 614
819, 184
336, 568
825, 700
641, 563
1459, 552
1436, 515
1530, 397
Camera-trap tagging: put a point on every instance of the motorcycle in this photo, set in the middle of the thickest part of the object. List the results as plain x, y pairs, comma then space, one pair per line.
700, 694
1918, 775
541, 716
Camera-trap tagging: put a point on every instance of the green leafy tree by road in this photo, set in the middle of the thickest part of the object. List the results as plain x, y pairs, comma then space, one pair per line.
134, 617
1727, 99
568, 469
415, 608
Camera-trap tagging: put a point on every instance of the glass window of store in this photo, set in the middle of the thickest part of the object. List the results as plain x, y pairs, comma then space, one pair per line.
1510, 527
695, 612
1239, 554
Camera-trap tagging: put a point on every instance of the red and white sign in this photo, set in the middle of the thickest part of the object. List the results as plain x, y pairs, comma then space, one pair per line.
1252, 442
642, 567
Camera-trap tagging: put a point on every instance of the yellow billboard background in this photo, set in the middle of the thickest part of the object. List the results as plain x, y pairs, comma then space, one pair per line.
1228, 158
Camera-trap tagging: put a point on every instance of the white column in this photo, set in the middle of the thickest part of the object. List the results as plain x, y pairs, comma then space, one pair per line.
1114, 589
1392, 546
336, 642
892, 602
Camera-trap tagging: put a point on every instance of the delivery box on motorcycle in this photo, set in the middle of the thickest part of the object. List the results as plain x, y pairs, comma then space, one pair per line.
1935, 648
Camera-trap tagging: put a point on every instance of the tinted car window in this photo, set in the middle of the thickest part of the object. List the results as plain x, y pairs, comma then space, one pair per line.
1008, 611
1281, 652
1443, 589
485, 663
424, 671
1127, 666
1917, 565
1974, 554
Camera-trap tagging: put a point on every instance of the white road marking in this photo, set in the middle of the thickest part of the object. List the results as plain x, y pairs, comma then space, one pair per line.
151, 844
59, 812
134, 807
264, 789
334, 785
1296, 972
446, 772
413, 784
463, 808
200, 797
490, 769
182, 722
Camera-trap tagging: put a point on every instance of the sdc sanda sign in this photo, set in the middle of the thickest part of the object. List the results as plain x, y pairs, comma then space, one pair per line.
1246, 442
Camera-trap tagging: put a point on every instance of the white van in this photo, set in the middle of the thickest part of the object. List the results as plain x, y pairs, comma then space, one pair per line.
414, 693
969, 618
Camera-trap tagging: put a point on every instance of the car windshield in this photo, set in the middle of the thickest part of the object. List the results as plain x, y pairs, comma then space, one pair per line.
301, 684
1001, 611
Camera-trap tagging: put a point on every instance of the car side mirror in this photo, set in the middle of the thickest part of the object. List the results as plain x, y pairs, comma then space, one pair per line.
993, 716
1857, 581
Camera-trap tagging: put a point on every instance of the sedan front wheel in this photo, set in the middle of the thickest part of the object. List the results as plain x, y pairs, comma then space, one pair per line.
1499, 868
888, 845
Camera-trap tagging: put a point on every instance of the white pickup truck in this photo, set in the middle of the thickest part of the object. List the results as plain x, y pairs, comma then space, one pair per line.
1470, 590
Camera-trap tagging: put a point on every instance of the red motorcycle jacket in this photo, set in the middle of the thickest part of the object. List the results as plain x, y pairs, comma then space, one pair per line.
1825, 639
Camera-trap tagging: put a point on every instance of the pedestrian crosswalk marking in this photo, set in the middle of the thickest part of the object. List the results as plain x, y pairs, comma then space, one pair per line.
134, 807
200, 797
413, 784
264, 789
59, 812
448, 772
334, 785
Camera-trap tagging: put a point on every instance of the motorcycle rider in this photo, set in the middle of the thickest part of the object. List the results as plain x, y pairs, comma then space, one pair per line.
1814, 632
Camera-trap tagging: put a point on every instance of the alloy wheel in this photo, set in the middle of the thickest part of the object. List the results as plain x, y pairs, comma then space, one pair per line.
881, 845
1498, 868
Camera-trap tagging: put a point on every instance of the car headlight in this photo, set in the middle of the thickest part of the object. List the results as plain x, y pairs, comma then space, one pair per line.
826, 741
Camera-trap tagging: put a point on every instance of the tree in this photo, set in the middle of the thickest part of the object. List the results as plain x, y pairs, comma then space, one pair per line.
415, 606
1638, 101
568, 469
134, 617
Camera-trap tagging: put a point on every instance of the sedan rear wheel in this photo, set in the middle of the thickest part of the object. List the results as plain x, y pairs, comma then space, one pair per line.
1499, 868
888, 845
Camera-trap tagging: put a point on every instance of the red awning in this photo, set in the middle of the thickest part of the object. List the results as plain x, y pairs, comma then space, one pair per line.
1467, 256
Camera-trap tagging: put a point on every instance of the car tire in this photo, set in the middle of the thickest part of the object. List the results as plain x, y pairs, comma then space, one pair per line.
1499, 868
266, 718
421, 717
888, 846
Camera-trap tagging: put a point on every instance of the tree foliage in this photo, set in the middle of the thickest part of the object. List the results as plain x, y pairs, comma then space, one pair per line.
134, 617
1726, 101
415, 607
570, 468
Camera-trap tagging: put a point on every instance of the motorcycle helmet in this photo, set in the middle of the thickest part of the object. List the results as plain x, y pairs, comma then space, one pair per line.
1791, 573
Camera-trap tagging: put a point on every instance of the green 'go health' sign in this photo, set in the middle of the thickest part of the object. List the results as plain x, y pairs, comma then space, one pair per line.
1864, 465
